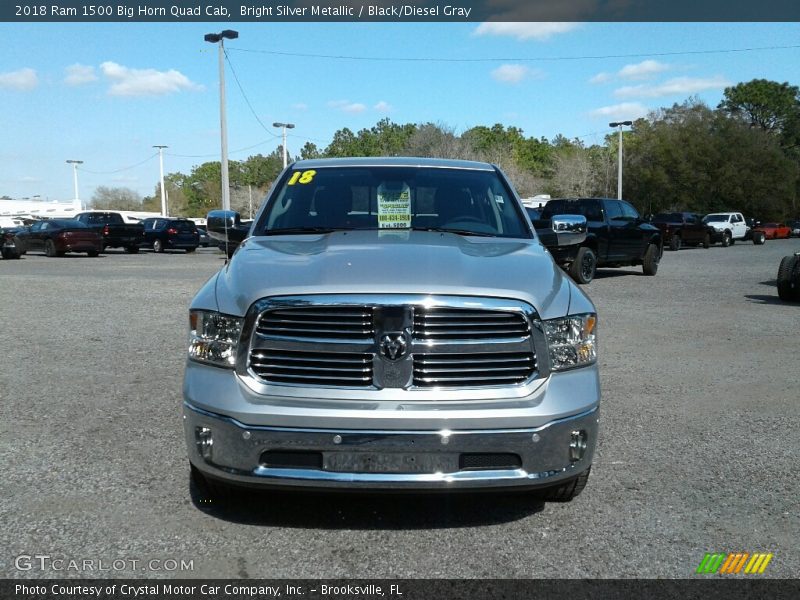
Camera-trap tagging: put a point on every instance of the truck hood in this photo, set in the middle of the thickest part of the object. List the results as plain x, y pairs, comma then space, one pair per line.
391, 262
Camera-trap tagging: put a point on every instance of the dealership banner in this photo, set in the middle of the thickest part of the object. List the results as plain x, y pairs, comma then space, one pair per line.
397, 589
221, 11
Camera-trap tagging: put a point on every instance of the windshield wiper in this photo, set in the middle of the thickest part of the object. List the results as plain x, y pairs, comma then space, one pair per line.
300, 230
456, 231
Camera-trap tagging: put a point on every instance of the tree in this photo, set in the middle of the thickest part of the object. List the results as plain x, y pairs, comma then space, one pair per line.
119, 198
766, 104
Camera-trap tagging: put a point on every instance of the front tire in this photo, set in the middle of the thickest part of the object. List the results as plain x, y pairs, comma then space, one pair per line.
726, 239
10, 253
789, 279
675, 242
567, 491
584, 267
158, 246
652, 256
50, 249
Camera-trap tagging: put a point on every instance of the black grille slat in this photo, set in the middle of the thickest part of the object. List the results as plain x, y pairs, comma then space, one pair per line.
458, 324
318, 323
465, 370
316, 368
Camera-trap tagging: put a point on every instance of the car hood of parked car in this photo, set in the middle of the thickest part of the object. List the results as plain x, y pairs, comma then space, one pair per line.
393, 262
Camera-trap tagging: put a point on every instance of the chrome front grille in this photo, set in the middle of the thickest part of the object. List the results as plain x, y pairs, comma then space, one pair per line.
351, 342
467, 370
461, 324
313, 368
318, 322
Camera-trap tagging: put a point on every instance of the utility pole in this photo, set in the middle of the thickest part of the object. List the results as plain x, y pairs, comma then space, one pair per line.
220, 38
75, 164
285, 126
620, 124
163, 190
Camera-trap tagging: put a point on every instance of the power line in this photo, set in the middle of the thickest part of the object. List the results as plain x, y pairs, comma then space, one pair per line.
119, 170
241, 89
261, 143
511, 58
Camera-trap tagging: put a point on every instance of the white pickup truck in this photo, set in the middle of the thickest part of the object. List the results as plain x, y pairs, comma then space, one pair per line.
729, 227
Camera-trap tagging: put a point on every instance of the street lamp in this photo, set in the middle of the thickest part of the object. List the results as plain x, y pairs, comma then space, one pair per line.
214, 38
163, 192
620, 124
75, 164
285, 127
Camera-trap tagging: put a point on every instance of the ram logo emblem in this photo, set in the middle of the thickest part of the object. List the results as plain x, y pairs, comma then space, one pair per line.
393, 345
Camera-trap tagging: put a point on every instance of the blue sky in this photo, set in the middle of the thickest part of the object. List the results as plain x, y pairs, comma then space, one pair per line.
106, 93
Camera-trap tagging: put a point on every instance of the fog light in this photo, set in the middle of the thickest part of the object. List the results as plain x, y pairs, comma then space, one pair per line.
204, 441
577, 445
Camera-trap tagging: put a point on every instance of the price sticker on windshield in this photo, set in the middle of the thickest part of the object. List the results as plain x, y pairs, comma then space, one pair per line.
394, 206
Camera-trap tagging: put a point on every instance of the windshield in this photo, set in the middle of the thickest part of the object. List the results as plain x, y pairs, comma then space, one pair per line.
464, 201
715, 218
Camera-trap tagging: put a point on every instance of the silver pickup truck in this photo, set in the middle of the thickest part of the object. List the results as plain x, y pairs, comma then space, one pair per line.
392, 323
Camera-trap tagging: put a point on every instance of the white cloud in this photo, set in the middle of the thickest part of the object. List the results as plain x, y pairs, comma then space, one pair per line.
347, 106
600, 78
300, 106
525, 31
144, 82
642, 70
627, 111
383, 107
21, 80
514, 73
78, 74
673, 87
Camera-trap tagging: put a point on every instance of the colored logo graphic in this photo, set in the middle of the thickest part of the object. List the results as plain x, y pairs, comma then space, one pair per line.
734, 563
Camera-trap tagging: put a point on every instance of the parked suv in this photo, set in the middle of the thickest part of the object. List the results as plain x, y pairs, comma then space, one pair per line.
617, 236
391, 323
162, 233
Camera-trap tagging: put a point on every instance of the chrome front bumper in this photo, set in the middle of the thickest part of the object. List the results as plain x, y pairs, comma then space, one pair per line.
389, 459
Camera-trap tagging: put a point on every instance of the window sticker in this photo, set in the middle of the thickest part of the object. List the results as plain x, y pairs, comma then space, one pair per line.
394, 206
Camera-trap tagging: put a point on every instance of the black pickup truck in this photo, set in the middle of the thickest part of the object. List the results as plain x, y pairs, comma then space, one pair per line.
115, 231
617, 236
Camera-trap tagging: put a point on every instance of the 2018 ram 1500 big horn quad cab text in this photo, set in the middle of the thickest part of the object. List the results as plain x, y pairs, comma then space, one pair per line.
393, 324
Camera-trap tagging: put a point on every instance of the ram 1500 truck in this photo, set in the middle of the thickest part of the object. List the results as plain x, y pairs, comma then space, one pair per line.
394, 324
617, 236
115, 231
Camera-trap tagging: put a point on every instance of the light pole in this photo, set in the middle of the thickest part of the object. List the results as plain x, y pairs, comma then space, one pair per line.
285, 126
75, 164
163, 191
215, 38
620, 124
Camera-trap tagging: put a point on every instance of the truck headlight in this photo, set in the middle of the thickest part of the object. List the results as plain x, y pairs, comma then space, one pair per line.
572, 341
213, 337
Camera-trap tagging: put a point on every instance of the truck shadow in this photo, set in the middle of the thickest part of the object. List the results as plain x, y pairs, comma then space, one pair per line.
366, 511
609, 273
763, 299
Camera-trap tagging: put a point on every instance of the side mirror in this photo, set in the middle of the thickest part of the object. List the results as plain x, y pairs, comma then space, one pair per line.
226, 226
569, 229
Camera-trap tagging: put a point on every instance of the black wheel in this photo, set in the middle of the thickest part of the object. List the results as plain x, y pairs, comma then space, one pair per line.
189, 250
158, 246
584, 267
706, 241
675, 242
789, 279
132, 249
50, 249
759, 237
93, 253
10, 253
566, 491
652, 256
726, 239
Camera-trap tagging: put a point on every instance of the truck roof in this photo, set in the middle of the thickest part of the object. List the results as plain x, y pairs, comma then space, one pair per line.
392, 161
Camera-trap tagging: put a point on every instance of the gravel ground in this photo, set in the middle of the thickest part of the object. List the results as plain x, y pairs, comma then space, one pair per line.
697, 454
